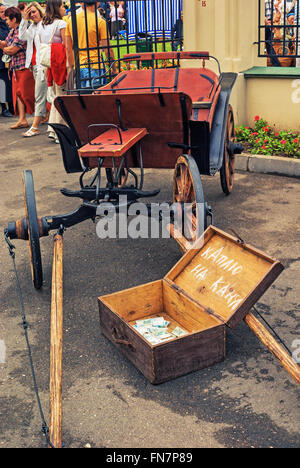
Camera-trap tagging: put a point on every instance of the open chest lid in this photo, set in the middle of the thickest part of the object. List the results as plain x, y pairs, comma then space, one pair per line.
224, 275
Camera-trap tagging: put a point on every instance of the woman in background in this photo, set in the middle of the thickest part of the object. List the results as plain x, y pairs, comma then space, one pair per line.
116, 16
53, 28
33, 15
22, 77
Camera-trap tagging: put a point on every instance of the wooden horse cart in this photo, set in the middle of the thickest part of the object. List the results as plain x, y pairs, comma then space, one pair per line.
160, 118
164, 118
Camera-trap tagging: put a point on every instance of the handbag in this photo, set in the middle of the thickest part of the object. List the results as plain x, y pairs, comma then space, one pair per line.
45, 51
6, 58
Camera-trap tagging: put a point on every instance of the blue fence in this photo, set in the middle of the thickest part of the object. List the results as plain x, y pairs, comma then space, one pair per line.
155, 17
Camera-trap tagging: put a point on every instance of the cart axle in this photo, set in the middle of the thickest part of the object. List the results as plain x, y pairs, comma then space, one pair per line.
91, 193
19, 229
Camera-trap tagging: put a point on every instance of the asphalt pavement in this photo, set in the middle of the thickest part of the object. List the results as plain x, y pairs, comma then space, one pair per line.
248, 400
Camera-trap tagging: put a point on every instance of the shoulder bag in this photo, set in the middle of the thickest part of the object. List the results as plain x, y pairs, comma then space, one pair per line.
45, 50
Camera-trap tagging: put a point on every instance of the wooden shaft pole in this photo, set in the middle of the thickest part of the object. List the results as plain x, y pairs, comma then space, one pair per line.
260, 331
269, 341
56, 340
181, 241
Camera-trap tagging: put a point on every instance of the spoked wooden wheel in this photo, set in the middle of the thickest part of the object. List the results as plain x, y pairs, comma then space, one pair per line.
33, 230
227, 169
188, 197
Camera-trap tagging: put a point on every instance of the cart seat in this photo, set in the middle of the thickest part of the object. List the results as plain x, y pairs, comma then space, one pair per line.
200, 84
165, 115
114, 142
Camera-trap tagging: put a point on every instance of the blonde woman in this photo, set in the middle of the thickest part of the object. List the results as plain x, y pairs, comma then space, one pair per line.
33, 15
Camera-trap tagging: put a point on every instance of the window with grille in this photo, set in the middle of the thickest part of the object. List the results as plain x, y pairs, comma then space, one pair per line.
279, 32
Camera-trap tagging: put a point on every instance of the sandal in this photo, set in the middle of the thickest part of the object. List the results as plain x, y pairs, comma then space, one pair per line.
19, 125
31, 132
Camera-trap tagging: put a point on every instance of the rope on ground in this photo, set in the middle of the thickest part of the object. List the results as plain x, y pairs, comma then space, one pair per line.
45, 428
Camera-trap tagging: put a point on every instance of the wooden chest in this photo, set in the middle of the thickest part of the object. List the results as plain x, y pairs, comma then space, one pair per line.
212, 286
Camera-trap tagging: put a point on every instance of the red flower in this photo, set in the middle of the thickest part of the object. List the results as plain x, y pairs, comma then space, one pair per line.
256, 118
257, 141
296, 140
283, 142
254, 134
265, 141
277, 134
266, 129
264, 147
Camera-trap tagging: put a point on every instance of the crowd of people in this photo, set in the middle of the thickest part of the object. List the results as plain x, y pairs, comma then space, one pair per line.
29, 31
37, 59
25, 83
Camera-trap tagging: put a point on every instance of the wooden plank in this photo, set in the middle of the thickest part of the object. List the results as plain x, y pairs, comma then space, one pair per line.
126, 340
187, 250
279, 352
136, 303
188, 354
225, 276
183, 243
185, 311
56, 344
108, 143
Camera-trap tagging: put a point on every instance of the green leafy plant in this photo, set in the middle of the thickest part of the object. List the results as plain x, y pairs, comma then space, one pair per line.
262, 139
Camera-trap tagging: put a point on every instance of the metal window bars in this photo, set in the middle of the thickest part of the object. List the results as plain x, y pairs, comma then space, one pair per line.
131, 26
279, 31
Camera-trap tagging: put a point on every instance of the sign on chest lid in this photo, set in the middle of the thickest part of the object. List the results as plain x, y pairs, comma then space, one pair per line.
224, 275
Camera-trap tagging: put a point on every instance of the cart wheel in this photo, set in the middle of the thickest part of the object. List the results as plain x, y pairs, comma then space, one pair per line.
227, 169
33, 230
187, 189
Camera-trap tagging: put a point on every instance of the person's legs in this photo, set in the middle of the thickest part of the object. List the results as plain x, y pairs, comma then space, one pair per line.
84, 75
21, 109
40, 94
6, 112
22, 122
114, 29
9, 95
11, 107
23, 96
40, 91
5, 93
90, 77
55, 116
95, 82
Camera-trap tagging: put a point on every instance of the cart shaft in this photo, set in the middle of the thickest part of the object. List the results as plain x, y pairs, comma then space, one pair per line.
56, 344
